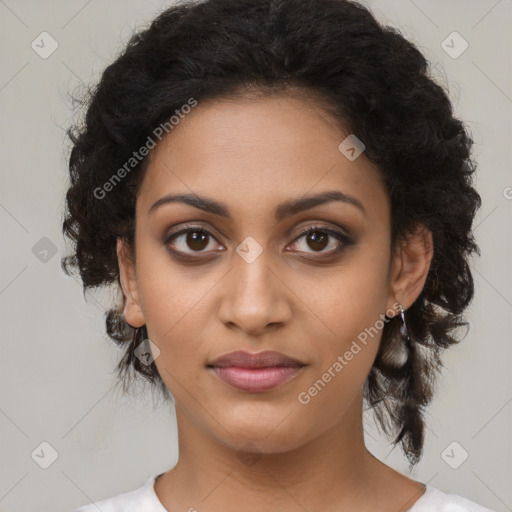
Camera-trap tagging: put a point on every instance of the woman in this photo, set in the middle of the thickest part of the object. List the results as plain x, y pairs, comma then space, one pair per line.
285, 199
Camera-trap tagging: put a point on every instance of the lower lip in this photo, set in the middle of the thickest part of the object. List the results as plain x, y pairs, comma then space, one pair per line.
256, 379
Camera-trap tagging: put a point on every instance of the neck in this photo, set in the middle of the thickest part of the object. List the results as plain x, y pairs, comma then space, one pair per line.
332, 471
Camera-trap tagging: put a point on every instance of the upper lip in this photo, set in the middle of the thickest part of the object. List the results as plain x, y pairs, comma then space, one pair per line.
264, 359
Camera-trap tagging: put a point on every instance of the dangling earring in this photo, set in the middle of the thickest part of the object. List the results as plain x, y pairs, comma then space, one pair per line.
403, 327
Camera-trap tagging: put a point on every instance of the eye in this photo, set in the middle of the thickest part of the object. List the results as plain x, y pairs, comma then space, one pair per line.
192, 237
196, 240
320, 237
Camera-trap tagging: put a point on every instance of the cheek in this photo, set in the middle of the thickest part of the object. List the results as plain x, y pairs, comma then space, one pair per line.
175, 316
173, 299
350, 303
345, 344
170, 291
332, 390
175, 324
346, 325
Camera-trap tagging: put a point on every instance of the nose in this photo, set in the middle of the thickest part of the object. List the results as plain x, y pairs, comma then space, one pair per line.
254, 298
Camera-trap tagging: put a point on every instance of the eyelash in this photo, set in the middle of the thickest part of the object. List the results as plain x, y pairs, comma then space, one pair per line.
341, 237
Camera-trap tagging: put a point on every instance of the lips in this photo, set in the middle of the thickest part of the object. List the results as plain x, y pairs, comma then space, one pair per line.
265, 359
256, 373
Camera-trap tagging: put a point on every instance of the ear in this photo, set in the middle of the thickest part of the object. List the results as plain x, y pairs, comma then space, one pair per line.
410, 265
132, 310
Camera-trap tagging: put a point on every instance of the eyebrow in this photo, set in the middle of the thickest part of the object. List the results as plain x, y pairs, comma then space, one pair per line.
281, 211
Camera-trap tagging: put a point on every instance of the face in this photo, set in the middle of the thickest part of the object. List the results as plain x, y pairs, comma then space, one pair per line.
253, 275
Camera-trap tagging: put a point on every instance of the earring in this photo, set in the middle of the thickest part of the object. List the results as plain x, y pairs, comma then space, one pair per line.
403, 327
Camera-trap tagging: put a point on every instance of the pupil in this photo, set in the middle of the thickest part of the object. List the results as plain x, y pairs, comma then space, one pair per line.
317, 237
196, 240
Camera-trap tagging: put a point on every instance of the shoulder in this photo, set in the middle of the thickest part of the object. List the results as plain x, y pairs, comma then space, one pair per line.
436, 500
143, 498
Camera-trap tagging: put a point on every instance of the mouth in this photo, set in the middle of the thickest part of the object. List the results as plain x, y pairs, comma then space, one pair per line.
256, 380
255, 372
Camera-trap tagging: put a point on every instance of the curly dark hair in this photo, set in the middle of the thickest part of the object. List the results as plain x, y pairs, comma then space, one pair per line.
364, 75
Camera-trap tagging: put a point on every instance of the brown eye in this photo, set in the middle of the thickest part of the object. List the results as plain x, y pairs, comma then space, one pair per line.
192, 241
189, 240
196, 240
317, 239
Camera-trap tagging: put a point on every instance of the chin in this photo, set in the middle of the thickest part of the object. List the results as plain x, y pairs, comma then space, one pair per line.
262, 437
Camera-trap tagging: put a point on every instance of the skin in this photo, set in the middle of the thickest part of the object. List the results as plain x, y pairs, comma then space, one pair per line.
294, 298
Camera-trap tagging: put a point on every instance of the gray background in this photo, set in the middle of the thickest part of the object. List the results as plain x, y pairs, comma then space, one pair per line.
56, 366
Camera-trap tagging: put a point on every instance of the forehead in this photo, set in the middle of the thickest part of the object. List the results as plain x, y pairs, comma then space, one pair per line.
254, 154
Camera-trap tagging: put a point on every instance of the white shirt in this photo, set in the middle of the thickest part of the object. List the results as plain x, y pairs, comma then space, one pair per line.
145, 499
